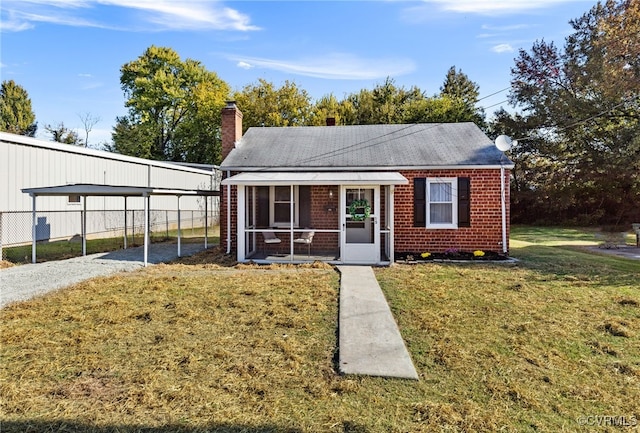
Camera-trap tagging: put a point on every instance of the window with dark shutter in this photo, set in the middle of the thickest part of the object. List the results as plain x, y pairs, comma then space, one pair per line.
419, 202
464, 202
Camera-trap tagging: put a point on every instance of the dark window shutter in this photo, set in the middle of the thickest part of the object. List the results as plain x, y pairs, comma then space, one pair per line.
419, 202
263, 206
464, 202
304, 205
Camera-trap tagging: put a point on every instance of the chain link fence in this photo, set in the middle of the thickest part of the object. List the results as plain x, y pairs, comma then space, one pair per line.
52, 226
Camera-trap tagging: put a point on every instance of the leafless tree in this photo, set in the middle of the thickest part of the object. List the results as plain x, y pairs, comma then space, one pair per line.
88, 121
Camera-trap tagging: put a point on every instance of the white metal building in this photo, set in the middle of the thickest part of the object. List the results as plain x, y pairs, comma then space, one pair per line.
31, 163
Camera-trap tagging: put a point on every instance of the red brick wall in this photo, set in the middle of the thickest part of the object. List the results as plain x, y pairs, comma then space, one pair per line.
231, 127
325, 214
223, 216
485, 232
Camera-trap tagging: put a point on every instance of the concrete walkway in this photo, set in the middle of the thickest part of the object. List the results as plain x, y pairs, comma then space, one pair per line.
369, 339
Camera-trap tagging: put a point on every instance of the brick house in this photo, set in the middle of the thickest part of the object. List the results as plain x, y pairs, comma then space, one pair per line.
360, 194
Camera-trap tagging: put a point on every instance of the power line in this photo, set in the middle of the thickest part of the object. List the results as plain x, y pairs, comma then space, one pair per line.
494, 93
595, 116
499, 103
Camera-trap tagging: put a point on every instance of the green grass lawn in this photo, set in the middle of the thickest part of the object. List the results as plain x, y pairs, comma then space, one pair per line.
204, 345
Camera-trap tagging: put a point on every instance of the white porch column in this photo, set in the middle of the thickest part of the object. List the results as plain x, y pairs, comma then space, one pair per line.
240, 221
390, 205
292, 209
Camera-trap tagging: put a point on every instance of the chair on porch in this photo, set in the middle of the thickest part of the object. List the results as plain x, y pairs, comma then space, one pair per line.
306, 238
270, 238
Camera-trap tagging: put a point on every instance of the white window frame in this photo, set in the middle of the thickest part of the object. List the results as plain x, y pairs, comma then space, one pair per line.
272, 202
453, 182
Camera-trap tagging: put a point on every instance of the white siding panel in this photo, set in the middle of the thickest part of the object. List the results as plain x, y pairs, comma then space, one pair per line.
30, 163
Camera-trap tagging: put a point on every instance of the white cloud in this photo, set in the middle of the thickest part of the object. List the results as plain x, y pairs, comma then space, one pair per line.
162, 14
13, 25
244, 65
494, 7
337, 66
506, 28
502, 48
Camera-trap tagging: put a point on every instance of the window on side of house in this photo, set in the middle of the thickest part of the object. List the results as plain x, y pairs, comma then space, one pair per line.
442, 211
441, 203
74, 199
280, 206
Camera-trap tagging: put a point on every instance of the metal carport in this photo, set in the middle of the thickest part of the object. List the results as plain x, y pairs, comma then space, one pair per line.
93, 190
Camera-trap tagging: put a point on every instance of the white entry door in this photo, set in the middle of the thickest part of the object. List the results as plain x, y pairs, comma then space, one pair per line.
360, 224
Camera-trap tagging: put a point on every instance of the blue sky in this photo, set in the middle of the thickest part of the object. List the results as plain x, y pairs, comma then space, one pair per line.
67, 54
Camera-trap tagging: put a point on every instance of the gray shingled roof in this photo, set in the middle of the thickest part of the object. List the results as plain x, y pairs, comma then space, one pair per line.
363, 147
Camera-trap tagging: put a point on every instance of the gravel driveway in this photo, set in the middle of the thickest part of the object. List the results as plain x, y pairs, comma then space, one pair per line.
19, 283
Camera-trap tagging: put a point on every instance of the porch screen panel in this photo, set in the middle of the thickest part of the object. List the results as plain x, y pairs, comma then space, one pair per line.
282, 204
263, 206
304, 197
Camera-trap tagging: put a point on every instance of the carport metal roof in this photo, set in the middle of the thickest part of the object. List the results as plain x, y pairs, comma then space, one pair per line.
94, 190
88, 189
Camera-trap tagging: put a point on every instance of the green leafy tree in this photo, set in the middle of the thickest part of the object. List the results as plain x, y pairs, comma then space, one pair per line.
535, 176
385, 104
172, 103
436, 109
329, 107
135, 139
16, 114
263, 104
62, 134
458, 86
585, 99
198, 138
390, 104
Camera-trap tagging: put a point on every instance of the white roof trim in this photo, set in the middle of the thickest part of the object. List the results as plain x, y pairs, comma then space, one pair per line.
317, 178
508, 166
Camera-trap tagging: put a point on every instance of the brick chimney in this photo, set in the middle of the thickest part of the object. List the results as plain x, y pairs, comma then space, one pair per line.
231, 127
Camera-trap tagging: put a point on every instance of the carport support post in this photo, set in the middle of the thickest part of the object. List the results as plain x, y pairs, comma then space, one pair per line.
206, 221
33, 228
125, 222
84, 225
178, 226
145, 197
